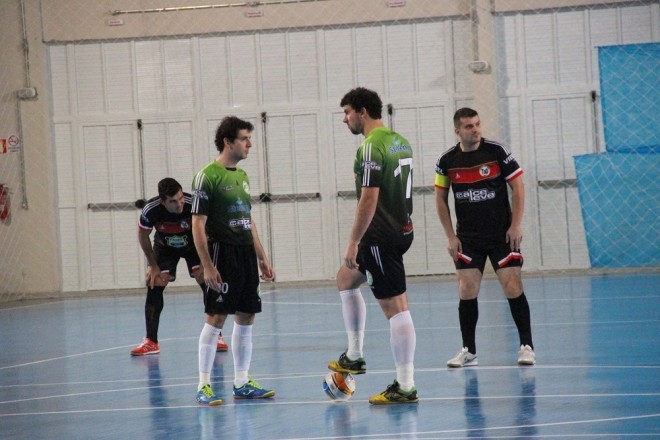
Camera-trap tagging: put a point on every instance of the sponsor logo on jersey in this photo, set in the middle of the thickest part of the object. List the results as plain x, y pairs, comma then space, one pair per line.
177, 241
370, 165
396, 148
200, 193
240, 223
475, 195
239, 207
246, 188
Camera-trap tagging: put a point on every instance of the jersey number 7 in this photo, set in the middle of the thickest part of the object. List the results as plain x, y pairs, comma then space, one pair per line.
405, 174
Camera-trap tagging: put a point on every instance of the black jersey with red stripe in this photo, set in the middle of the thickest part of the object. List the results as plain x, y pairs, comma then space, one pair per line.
172, 230
478, 180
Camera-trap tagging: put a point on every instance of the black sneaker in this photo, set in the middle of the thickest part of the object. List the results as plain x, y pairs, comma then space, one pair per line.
394, 394
345, 365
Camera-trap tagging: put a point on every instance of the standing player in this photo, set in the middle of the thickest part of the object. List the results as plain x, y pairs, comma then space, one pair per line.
169, 214
478, 171
382, 232
231, 255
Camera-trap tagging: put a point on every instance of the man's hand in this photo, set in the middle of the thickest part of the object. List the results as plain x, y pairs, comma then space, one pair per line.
514, 237
154, 277
454, 247
267, 272
212, 278
350, 256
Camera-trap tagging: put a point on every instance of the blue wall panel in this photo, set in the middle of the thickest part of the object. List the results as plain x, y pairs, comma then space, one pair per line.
630, 97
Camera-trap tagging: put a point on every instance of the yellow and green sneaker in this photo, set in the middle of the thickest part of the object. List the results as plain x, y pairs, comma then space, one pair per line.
206, 396
394, 394
346, 365
252, 390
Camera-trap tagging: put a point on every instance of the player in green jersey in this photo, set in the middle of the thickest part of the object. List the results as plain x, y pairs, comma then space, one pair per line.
231, 256
382, 232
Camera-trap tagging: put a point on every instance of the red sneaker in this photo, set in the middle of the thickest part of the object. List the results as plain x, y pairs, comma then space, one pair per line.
146, 347
222, 345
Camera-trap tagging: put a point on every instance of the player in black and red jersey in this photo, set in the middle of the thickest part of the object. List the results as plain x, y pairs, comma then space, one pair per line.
487, 226
170, 215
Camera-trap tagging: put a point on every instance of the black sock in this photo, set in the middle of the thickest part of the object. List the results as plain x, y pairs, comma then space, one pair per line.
152, 308
468, 315
521, 316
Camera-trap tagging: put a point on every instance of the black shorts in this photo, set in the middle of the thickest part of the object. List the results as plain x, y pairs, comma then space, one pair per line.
240, 281
168, 258
475, 253
383, 267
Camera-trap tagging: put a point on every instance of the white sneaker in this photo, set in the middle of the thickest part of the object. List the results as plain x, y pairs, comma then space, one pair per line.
463, 359
526, 355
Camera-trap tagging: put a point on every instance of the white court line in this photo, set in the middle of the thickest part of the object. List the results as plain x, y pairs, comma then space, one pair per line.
352, 402
530, 298
340, 331
416, 434
304, 375
193, 383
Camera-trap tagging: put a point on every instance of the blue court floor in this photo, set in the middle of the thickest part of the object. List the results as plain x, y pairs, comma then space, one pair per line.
66, 372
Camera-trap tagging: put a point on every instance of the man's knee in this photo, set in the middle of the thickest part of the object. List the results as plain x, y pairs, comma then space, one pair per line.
161, 280
349, 278
469, 283
511, 281
198, 274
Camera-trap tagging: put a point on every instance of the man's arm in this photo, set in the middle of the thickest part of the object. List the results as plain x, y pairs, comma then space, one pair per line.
442, 206
266, 269
153, 271
145, 243
212, 277
514, 233
363, 215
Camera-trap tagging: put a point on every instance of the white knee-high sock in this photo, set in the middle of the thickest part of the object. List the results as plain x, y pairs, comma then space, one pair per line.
355, 316
208, 340
241, 350
402, 341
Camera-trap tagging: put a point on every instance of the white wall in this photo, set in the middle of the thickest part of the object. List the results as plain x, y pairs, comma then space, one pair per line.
180, 88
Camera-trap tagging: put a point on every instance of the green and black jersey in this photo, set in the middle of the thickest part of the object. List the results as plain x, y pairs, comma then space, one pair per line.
223, 195
384, 160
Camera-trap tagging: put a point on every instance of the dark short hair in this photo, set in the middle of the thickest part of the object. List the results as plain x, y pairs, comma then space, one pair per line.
168, 187
464, 112
360, 98
228, 129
